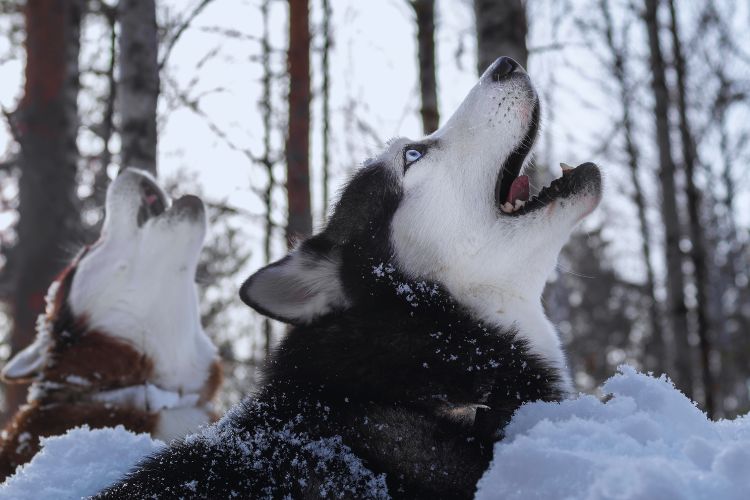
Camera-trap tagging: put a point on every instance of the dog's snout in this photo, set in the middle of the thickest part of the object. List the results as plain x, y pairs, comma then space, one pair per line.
189, 204
504, 67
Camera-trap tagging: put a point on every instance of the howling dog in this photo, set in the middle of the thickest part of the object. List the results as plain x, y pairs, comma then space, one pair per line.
418, 327
121, 341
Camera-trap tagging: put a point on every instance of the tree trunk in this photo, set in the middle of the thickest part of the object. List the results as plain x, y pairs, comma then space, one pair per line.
677, 310
501, 31
138, 88
46, 124
326, 91
724, 101
101, 179
299, 223
425, 13
698, 251
268, 163
732, 293
655, 349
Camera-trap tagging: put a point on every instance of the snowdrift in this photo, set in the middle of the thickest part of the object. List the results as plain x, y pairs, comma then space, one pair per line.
78, 464
648, 441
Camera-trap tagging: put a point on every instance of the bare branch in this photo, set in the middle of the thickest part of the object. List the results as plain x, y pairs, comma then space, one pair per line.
193, 105
170, 44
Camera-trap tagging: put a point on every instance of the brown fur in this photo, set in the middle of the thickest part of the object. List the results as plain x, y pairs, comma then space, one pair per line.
20, 438
213, 382
103, 361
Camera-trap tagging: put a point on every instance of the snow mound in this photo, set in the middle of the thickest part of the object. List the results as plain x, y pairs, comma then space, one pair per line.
78, 464
647, 442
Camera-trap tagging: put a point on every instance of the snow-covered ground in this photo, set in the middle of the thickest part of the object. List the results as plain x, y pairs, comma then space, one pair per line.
648, 441
78, 464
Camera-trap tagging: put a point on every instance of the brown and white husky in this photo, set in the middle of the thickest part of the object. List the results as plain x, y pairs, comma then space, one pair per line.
121, 341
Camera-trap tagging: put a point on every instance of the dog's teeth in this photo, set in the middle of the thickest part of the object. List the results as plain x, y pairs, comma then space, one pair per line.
519, 204
507, 207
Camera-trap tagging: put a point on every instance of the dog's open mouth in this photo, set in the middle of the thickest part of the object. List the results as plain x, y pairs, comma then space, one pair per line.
513, 191
519, 201
511, 187
153, 202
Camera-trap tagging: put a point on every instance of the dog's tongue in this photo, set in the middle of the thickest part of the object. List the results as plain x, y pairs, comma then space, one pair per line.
519, 190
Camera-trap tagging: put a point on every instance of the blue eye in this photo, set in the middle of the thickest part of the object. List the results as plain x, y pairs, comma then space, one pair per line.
412, 155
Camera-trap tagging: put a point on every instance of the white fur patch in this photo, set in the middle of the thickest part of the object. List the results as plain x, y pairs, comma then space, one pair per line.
178, 422
147, 397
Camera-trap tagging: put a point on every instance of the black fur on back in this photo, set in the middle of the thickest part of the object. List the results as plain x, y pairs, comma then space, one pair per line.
379, 392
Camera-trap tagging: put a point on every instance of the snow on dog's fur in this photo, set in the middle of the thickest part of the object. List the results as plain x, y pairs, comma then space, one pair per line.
121, 341
418, 324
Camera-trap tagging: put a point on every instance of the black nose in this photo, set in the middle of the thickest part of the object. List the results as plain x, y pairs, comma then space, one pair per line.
503, 67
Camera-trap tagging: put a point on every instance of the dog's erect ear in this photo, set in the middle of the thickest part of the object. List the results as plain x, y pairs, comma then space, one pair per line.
300, 287
26, 364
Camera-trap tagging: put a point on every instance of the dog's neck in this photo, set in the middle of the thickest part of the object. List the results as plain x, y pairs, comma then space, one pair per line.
526, 316
496, 305
81, 362
167, 330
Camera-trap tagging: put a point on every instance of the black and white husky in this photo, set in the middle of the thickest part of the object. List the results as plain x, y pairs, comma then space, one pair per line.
418, 325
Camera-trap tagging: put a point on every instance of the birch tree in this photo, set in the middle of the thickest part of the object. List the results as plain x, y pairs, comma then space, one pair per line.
138, 86
501, 31
618, 69
676, 307
267, 160
698, 254
325, 67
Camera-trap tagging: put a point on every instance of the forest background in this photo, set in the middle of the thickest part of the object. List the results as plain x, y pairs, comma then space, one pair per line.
265, 107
